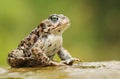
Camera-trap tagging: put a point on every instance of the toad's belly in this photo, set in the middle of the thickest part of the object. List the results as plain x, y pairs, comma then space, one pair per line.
52, 45
52, 52
51, 49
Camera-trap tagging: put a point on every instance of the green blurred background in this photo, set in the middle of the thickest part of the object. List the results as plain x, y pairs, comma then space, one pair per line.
94, 34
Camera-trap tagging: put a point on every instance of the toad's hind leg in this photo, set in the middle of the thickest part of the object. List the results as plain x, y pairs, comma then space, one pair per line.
16, 58
38, 58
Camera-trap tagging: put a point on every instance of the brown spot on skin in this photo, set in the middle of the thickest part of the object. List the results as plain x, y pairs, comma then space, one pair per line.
19, 48
59, 30
43, 49
35, 39
31, 32
29, 54
46, 59
59, 24
63, 17
40, 54
38, 26
35, 31
43, 62
28, 39
21, 43
43, 26
38, 33
29, 44
10, 55
48, 30
49, 45
49, 25
40, 59
51, 63
34, 50
44, 36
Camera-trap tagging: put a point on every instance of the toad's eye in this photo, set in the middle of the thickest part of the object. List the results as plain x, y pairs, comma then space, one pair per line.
53, 18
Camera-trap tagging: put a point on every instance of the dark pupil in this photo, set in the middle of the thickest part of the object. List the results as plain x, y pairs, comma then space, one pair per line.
54, 18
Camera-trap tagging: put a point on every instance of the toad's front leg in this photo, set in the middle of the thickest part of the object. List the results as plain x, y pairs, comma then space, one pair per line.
66, 57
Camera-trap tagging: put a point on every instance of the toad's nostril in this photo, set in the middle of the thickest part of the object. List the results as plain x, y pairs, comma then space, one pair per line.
63, 17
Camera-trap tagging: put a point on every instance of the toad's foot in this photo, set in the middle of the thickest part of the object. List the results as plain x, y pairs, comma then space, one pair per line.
53, 63
70, 61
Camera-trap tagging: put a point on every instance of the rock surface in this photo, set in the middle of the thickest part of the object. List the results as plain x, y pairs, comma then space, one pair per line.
82, 70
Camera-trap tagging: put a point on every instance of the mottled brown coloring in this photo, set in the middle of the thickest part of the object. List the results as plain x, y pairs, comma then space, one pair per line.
43, 26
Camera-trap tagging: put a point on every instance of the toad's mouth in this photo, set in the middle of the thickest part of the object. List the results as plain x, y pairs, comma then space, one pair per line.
61, 26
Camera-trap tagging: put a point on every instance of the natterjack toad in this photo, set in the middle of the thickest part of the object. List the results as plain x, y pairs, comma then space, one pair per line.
40, 46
